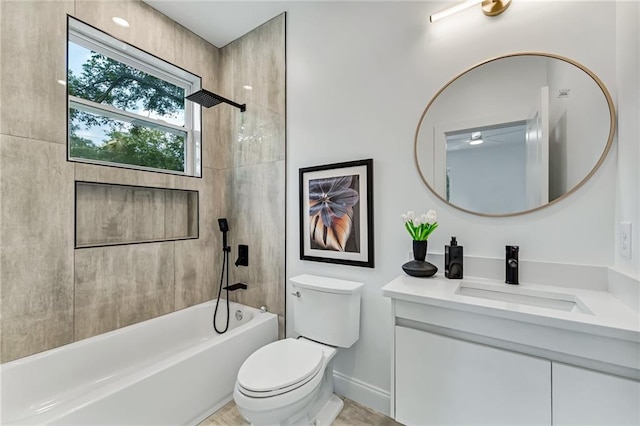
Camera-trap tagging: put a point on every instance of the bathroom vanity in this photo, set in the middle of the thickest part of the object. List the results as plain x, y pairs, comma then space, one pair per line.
477, 351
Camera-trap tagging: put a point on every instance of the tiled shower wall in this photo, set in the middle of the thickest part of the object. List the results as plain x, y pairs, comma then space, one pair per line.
257, 149
51, 294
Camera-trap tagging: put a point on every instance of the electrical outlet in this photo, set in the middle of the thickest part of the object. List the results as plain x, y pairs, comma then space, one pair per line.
625, 239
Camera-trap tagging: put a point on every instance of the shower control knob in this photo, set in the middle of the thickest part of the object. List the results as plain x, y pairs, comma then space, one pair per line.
296, 294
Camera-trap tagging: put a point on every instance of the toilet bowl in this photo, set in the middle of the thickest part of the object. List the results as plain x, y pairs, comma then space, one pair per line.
290, 381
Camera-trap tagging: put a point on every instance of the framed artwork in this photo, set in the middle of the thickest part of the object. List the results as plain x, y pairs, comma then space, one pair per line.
336, 213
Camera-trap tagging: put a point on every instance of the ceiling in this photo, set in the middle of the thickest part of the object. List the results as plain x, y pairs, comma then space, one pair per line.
219, 22
502, 134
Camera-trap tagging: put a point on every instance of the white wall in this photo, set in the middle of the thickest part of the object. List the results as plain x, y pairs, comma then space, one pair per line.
628, 88
358, 77
582, 118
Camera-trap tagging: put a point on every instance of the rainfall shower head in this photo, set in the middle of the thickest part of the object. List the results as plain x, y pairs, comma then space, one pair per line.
208, 99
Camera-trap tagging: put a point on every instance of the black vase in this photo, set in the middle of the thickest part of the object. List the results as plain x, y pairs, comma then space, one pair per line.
419, 250
418, 267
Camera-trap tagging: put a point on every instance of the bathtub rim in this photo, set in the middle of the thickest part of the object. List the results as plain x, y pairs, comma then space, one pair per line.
80, 396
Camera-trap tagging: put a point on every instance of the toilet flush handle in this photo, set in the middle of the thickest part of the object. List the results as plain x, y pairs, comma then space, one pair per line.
296, 294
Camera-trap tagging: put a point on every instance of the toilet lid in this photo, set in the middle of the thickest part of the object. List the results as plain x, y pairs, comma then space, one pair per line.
280, 365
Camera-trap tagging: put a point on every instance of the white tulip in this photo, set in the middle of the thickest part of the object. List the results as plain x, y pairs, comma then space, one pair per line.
411, 215
404, 217
416, 222
424, 218
431, 216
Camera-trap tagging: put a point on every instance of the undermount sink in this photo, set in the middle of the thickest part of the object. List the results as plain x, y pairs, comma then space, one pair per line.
523, 296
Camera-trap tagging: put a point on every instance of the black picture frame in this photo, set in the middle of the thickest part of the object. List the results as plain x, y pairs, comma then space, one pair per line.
341, 194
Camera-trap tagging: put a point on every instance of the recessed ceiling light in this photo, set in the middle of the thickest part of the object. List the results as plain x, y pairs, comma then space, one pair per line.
120, 21
247, 87
64, 83
476, 138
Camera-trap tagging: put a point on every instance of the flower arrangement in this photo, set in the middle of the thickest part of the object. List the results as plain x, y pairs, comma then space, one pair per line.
420, 227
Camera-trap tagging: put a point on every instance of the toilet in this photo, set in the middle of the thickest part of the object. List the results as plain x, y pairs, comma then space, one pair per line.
290, 381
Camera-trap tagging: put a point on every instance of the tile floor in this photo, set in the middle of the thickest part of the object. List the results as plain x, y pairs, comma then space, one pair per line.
353, 414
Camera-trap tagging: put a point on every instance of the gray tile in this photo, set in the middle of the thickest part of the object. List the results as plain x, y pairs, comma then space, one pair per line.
32, 60
215, 140
149, 29
226, 416
36, 253
197, 269
256, 59
260, 62
222, 150
104, 214
178, 221
202, 58
199, 262
115, 214
259, 137
122, 285
197, 56
258, 205
215, 203
353, 414
148, 214
35, 333
123, 176
356, 414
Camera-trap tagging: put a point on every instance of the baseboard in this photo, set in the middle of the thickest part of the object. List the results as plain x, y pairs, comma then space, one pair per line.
361, 392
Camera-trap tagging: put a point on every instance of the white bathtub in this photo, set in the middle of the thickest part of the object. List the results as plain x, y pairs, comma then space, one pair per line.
170, 370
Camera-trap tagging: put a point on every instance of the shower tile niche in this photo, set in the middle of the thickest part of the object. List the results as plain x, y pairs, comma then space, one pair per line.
111, 214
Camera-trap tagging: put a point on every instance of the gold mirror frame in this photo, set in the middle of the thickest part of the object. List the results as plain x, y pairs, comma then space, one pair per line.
612, 130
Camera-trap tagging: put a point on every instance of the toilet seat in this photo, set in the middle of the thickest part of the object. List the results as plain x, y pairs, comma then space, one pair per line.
279, 367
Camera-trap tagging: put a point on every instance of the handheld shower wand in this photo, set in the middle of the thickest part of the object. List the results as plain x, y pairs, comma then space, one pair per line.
224, 228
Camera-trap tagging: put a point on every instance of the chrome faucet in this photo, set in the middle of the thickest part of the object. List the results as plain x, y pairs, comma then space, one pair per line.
511, 264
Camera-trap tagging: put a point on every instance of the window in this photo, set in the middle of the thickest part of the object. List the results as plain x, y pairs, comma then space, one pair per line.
127, 107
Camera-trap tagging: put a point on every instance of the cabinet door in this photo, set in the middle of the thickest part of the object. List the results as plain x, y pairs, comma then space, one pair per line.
584, 397
445, 381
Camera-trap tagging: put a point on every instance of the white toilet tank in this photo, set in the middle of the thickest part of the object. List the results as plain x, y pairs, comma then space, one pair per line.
326, 310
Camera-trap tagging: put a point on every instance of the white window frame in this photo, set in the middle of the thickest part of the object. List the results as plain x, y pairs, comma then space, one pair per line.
93, 39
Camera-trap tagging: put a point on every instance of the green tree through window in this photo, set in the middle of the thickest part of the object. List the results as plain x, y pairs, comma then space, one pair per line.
121, 111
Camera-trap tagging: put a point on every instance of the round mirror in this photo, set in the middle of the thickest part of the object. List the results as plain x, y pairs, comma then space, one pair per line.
514, 134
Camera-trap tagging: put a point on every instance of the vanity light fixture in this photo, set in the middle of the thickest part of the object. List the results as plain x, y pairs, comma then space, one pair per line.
247, 87
489, 8
121, 22
62, 82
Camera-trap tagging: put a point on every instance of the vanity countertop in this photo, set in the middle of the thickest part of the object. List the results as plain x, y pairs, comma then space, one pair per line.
587, 311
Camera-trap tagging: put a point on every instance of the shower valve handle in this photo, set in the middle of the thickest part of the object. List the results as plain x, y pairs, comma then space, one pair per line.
296, 294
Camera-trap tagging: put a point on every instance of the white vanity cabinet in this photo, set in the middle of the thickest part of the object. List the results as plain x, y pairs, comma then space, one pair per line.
444, 381
500, 359
584, 397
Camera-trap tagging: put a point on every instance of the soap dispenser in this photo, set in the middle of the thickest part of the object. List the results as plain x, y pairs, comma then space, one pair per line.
453, 260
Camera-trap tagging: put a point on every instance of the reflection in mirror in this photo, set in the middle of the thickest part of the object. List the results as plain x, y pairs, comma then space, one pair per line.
477, 161
514, 134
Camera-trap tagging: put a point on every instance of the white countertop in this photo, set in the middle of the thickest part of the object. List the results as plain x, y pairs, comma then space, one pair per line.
608, 316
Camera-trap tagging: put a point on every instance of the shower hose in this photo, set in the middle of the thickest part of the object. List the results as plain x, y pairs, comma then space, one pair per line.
225, 264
